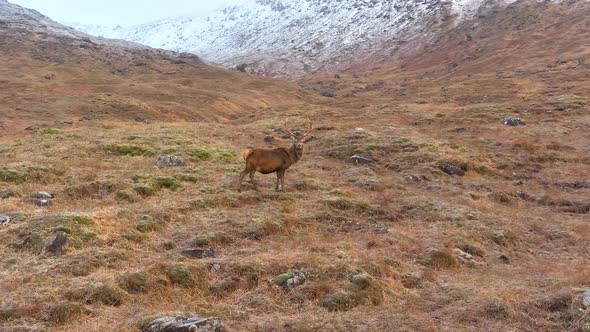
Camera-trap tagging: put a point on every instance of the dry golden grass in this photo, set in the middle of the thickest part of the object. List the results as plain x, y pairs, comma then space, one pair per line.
521, 209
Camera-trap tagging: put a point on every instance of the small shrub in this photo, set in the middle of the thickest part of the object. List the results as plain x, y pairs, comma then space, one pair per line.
134, 282
48, 132
133, 236
339, 301
215, 155
496, 309
442, 260
147, 224
102, 293
64, 312
129, 150
10, 175
182, 276
166, 182
144, 191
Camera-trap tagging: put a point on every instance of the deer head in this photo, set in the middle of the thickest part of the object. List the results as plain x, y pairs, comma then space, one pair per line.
298, 139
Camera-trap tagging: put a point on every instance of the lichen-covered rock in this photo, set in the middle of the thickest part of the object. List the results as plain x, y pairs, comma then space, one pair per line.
4, 220
198, 253
511, 121
184, 324
290, 280
356, 159
57, 242
170, 161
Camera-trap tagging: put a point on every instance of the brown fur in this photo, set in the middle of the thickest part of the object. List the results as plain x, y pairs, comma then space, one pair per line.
276, 160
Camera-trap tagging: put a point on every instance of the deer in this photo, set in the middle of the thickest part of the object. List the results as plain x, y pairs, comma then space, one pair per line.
277, 160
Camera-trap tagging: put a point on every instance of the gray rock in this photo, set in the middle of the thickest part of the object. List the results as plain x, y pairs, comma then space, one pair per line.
586, 299
450, 169
356, 159
198, 253
169, 161
184, 324
4, 219
42, 202
291, 280
57, 242
42, 195
269, 139
511, 121
6, 193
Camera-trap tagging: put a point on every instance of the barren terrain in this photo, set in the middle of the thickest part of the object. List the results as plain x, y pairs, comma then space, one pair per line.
447, 219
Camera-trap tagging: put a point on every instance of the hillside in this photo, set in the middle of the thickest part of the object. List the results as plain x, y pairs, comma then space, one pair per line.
286, 38
443, 191
54, 76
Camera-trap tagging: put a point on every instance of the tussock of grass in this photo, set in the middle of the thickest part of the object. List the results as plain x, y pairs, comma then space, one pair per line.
214, 155
129, 150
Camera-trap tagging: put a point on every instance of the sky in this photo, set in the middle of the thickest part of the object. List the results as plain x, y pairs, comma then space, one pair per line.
119, 12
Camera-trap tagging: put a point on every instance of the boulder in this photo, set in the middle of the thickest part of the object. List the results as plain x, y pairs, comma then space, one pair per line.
57, 242
586, 298
169, 161
42, 195
184, 324
198, 253
4, 219
511, 121
450, 169
356, 159
291, 280
269, 139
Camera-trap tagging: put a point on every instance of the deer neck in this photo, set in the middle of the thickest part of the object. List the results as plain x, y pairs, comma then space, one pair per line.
294, 154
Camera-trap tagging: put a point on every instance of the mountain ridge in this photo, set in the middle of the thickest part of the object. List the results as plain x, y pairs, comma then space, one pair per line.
293, 38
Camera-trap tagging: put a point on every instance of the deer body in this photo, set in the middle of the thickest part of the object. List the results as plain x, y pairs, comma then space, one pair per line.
276, 160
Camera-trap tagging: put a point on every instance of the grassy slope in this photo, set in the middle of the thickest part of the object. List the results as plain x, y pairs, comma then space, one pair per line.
396, 221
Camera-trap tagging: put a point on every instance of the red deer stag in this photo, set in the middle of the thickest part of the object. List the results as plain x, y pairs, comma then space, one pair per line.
277, 160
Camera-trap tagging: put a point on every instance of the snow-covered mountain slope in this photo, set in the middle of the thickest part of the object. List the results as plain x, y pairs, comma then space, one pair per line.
287, 37
31, 21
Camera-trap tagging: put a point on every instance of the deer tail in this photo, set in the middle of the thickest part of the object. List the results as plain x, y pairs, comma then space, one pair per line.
246, 153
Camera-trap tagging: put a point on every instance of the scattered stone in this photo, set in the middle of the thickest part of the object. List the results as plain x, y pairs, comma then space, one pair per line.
356, 159
57, 242
511, 121
4, 220
6, 193
472, 250
184, 324
523, 195
586, 298
450, 169
170, 161
505, 259
198, 253
291, 280
215, 268
42, 195
269, 139
464, 258
42, 202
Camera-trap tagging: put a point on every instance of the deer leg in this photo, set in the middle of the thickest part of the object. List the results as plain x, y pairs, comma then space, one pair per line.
252, 179
283, 181
242, 175
278, 180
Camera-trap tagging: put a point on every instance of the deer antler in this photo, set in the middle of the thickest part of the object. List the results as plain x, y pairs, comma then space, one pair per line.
290, 132
309, 130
